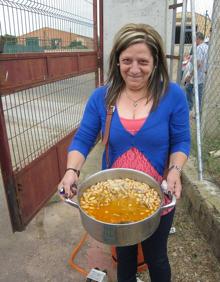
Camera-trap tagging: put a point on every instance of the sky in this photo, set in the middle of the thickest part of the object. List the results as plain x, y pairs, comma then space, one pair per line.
201, 6
16, 22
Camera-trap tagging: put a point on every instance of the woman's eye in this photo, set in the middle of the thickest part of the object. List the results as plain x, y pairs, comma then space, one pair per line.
126, 61
143, 62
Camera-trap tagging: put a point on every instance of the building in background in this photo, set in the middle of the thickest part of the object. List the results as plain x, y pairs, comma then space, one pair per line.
203, 24
46, 39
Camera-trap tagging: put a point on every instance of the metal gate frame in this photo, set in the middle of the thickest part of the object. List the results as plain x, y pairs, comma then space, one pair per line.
24, 71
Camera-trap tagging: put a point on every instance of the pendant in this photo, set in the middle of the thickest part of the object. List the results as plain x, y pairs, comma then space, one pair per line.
135, 104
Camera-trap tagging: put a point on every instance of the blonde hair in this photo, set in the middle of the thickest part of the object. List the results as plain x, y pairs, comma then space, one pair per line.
128, 35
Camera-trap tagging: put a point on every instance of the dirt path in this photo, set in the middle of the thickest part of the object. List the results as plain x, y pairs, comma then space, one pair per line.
190, 256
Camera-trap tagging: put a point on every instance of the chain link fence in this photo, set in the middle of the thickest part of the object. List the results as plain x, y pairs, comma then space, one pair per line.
210, 126
210, 113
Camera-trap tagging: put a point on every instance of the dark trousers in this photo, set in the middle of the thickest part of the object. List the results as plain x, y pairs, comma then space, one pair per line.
189, 95
155, 255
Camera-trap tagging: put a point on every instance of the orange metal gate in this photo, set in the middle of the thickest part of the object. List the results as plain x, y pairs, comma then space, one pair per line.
47, 72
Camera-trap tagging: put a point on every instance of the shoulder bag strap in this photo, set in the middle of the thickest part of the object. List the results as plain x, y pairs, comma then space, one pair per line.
105, 139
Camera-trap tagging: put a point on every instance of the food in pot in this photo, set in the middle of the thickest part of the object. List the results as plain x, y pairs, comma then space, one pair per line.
120, 201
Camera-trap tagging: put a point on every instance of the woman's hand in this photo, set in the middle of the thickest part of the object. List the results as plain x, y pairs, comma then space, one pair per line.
174, 183
68, 183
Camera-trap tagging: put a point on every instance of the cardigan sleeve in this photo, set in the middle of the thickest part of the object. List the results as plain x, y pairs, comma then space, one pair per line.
89, 128
179, 124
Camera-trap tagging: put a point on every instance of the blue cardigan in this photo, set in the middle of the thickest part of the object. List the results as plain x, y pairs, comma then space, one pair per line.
165, 131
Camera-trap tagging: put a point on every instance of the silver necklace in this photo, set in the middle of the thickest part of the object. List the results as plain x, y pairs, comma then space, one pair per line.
134, 102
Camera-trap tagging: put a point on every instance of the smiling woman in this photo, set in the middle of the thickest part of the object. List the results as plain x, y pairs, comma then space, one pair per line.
136, 67
148, 130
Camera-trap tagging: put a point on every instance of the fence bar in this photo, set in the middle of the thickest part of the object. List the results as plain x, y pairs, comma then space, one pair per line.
101, 41
182, 40
95, 37
195, 76
173, 38
7, 175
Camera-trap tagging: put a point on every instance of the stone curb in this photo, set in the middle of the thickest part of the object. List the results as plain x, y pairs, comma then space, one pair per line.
202, 200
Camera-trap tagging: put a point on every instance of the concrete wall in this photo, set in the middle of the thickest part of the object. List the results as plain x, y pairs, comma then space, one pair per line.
117, 13
202, 202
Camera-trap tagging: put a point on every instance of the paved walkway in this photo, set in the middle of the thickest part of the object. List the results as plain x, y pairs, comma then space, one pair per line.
41, 252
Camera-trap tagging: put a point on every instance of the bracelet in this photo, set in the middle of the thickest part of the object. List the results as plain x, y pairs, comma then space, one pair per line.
178, 168
73, 169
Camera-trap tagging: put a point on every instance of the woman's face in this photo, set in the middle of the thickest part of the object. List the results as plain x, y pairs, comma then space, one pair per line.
136, 65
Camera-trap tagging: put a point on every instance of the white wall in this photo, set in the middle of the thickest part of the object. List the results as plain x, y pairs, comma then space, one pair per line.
117, 13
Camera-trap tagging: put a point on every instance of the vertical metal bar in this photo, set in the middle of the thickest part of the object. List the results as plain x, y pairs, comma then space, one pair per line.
10, 133
95, 39
196, 93
173, 40
182, 41
101, 41
206, 15
16, 130
15, 112
8, 176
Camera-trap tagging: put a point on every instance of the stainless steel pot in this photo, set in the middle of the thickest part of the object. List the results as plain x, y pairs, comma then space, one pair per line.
120, 234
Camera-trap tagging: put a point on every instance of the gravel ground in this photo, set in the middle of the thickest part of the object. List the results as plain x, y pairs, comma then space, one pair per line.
190, 256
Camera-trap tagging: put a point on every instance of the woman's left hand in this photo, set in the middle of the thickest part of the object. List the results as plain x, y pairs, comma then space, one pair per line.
174, 183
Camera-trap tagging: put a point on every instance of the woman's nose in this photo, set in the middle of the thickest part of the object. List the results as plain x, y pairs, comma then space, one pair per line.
134, 67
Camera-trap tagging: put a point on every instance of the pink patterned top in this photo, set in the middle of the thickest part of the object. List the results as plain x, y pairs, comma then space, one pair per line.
134, 159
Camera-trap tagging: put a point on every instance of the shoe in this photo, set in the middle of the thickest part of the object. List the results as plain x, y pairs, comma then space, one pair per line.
139, 280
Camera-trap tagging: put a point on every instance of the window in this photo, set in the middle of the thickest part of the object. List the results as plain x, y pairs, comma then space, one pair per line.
188, 34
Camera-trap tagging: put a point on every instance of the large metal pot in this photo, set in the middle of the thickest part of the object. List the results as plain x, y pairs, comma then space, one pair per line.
120, 234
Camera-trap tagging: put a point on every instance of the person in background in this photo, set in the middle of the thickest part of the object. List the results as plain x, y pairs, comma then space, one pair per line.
202, 57
188, 85
149, 132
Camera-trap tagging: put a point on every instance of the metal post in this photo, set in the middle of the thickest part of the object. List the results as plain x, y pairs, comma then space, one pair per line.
182, 41
173, 40
101, 41
206, 15
196, 93
95, 39
8, 175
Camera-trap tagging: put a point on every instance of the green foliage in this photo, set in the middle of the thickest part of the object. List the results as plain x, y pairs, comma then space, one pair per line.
77, 45
211, 164
10, 39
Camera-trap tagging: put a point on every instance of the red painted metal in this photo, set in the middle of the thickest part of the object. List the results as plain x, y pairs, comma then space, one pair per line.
23, 71
8, 176
35, 187
87, 63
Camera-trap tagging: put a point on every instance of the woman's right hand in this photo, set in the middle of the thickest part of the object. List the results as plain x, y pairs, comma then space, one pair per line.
68, 183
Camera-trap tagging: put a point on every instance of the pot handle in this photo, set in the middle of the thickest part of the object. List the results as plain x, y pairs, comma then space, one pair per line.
172, 204
67, 200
